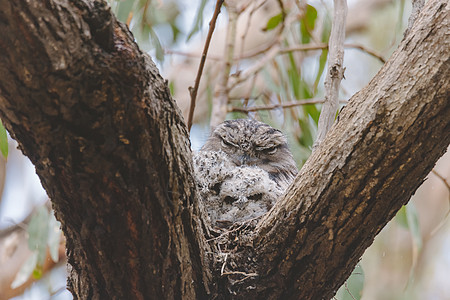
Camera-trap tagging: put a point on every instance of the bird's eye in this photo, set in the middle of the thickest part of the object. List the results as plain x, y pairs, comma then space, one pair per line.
270, 151
226, 144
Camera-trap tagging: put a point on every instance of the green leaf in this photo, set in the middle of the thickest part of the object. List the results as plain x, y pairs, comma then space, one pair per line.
3, 141
172, 88
38, 271
175, 32
294, 76
54, 237
38, 233
313, 112
273, 22
122, 9
307, 23
25, 271
198, 21
412, 221
157, 45
413, 224
322, 63
353, 287
401, 217
326, 29
306, 138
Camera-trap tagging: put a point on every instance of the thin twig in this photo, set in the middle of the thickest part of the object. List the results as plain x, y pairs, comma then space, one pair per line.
244, 35
307, 47
193, 91
348, 291
439, 226
219, 109
444, 180
188, 54
368, 51
320, 46
279, 105
223, 265
245, 223
255, 68
335, 71
239, 273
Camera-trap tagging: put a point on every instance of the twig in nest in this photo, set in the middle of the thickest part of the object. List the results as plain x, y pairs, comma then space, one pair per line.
245, 223
223, 265
193, 91
239, 273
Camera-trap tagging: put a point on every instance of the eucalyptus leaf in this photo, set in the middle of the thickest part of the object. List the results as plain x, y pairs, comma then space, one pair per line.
413, 224
307, 23
3, 141
54, 237
157, 45
38, 271
38, 233
198, 20
400, 217
25, 271
274, 22
353, 287
306, 137
312, 110
322, 63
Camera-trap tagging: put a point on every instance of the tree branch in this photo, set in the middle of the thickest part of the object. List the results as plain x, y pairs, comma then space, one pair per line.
370, 164
278, 105
335, 70
219, 108
95, 117
193, 91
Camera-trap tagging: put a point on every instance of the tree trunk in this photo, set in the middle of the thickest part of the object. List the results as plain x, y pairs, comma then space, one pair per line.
96, 119
112, 152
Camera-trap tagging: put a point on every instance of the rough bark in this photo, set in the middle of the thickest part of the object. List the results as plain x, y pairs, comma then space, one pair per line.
97, 120
387, 140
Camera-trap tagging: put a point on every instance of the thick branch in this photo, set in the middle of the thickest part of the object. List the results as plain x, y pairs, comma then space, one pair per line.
387, 140
96, 119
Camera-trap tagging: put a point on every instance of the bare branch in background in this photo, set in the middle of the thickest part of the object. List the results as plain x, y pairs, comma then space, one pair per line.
368, 51
219, 109
335, 70
193, 91
279, 105
306, 47
444, 180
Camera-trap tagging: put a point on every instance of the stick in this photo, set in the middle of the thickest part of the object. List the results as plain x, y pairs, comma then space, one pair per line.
219, 109
193, 91
335, 70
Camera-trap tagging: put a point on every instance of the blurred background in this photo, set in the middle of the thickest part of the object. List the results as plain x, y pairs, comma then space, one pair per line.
276, 51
